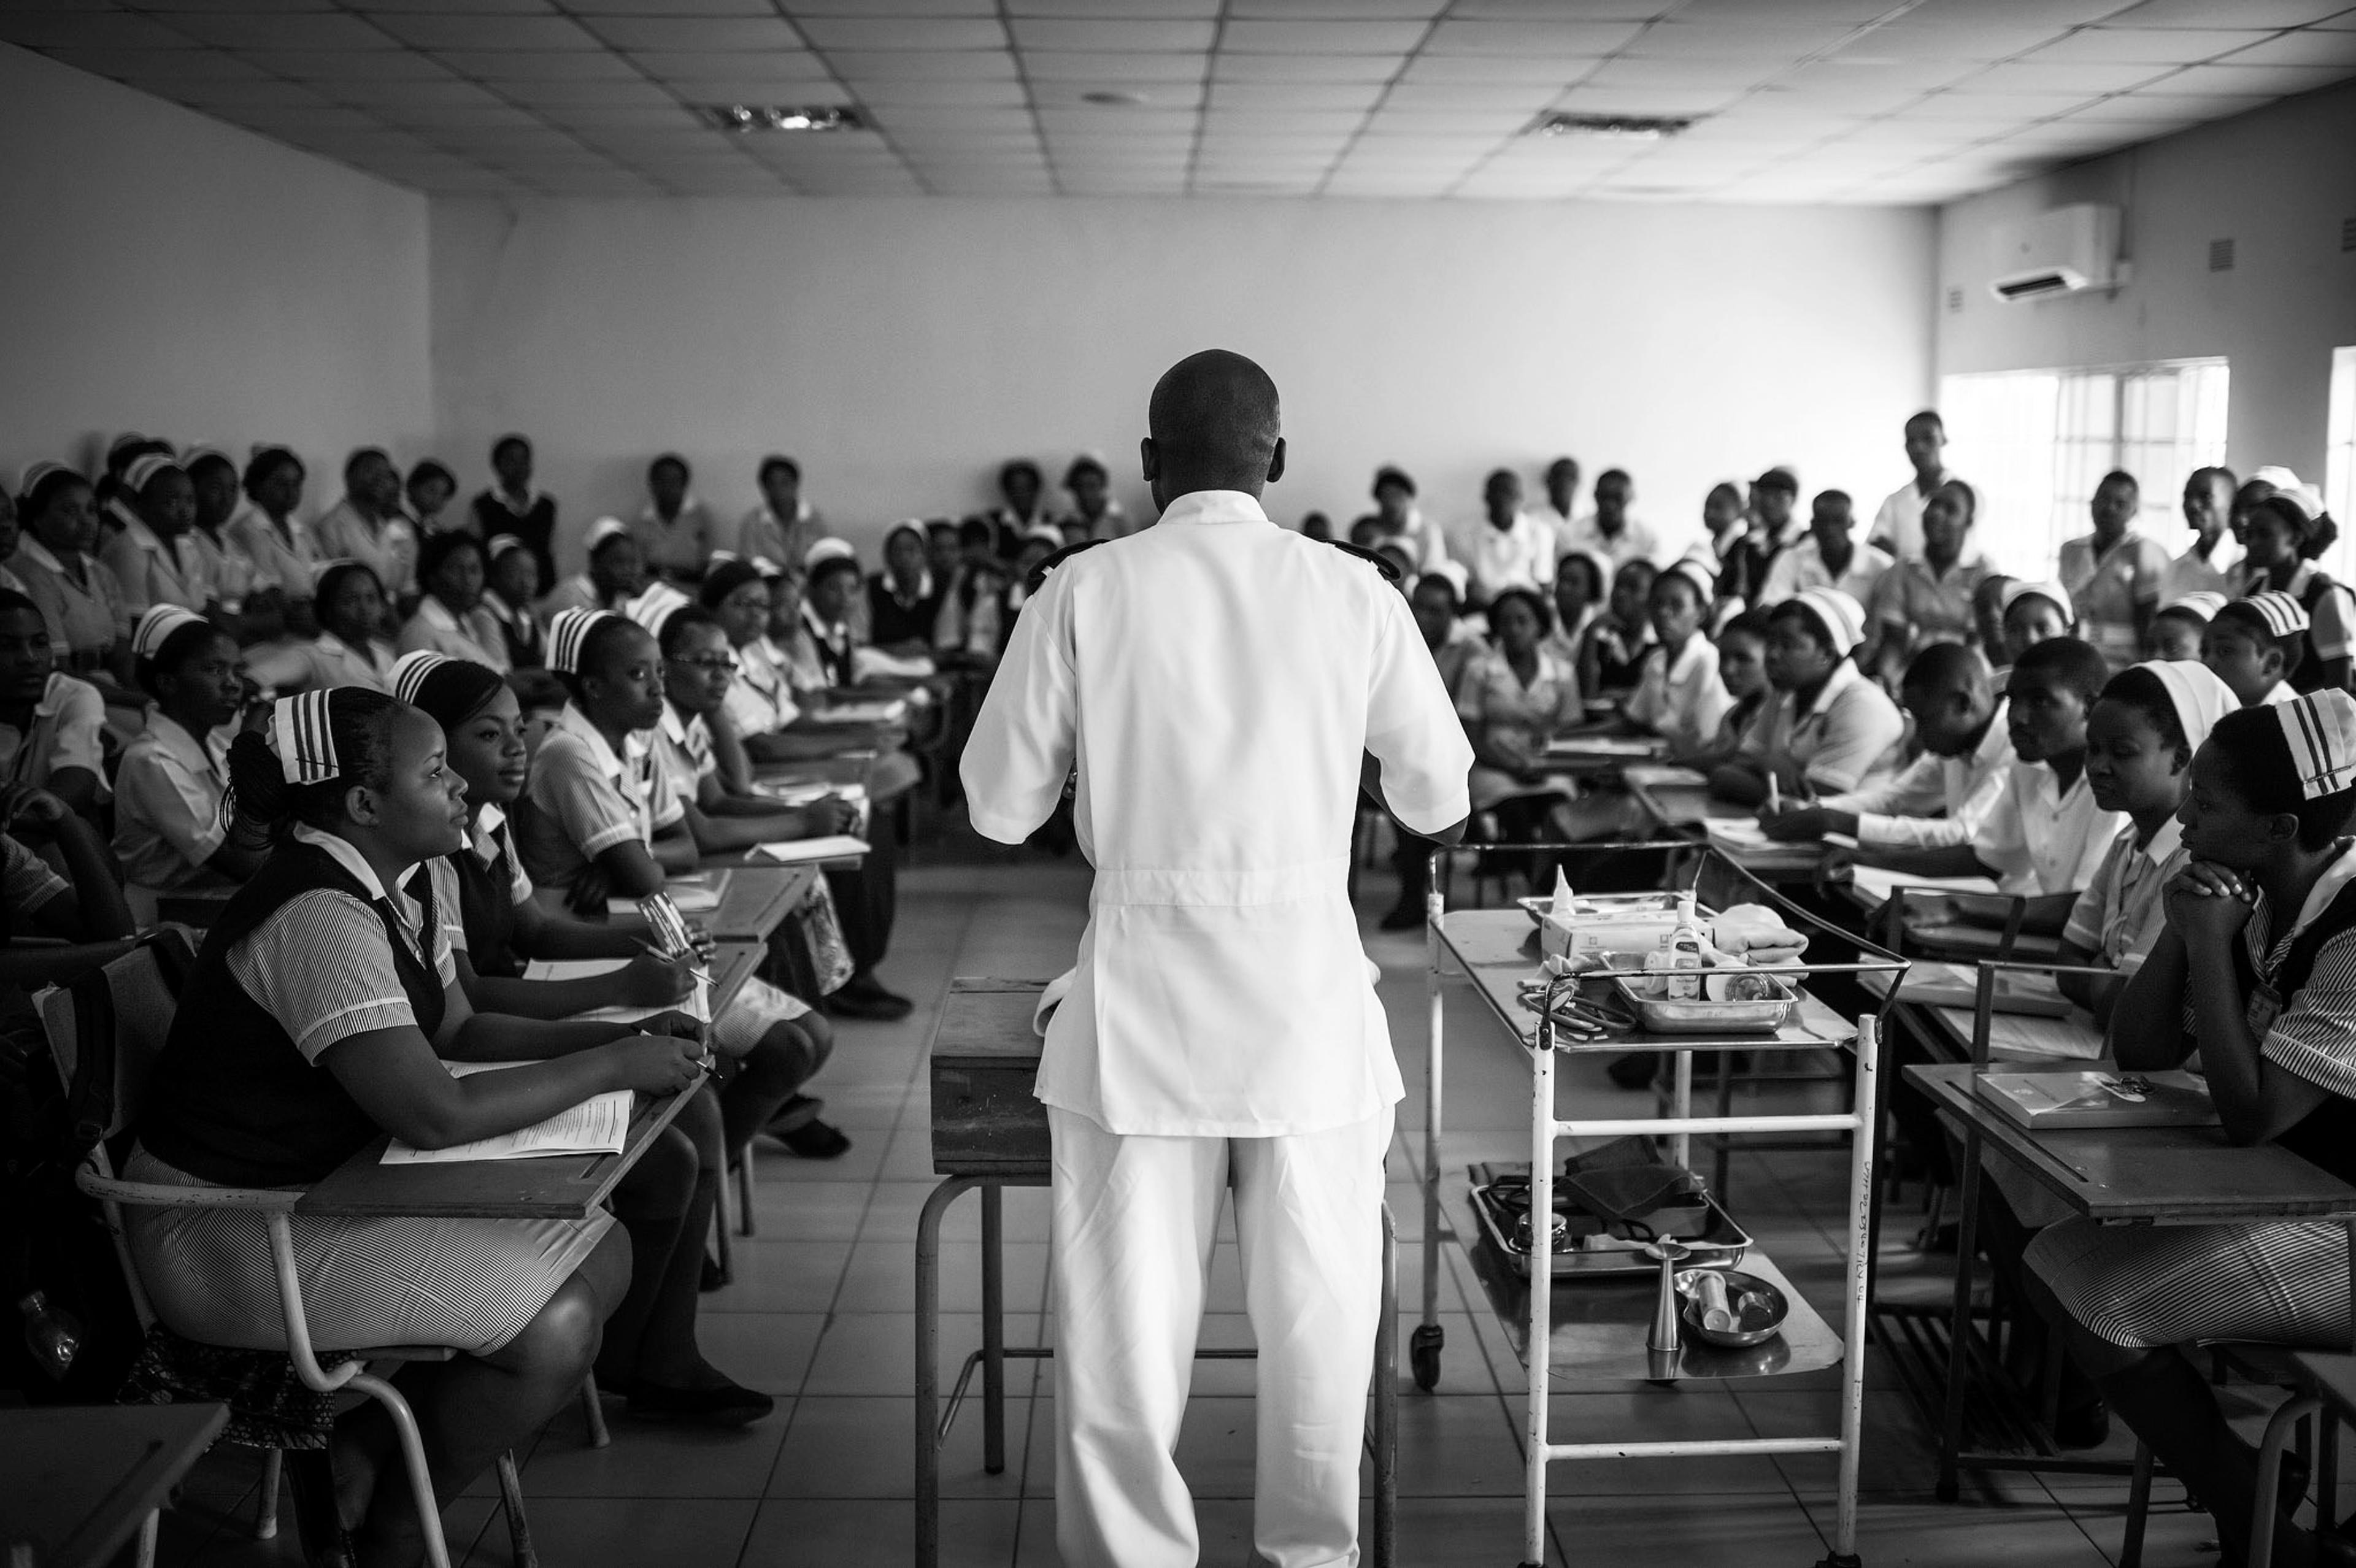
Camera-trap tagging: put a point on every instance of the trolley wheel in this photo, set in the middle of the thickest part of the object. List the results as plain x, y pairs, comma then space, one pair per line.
1841, 1560
1423, 1354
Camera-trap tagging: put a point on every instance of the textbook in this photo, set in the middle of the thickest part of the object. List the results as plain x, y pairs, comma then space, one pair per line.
2041, 1100
599, 1124
801, 852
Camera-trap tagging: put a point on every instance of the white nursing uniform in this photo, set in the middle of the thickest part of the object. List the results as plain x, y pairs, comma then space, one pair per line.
1216, 679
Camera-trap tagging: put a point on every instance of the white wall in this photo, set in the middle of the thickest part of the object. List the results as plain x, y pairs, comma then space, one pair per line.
900, 349
165, 272
2279, 182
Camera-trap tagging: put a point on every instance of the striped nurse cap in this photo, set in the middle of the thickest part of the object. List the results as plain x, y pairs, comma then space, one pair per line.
410, 670
144, 469
567, 633
655, 606
158, 624
2282, 612
2202, 602
303, 738
2321, 729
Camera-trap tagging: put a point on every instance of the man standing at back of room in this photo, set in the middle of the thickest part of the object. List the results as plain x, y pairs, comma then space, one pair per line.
1224, 686
1898, 525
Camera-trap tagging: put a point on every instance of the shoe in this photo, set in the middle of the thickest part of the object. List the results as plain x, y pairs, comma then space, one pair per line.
724, 1404
1402, 917
865, 996
794, 1115
2088, 1426
711, 1279
815, 1140
1634, 1070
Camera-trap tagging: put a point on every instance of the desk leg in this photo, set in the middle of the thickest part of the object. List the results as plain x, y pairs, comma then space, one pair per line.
1424, 1348
928, 1370
993, 1329
1951, 1422
1386, 1404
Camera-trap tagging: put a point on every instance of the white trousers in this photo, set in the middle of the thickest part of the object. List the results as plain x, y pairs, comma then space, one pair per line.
1134, 1221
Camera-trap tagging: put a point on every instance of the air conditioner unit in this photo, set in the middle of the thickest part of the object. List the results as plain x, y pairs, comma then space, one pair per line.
2057, 252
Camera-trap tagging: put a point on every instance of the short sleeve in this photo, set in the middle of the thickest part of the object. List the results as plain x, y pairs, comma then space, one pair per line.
1471, 691
519, 888
448, 907
180, 808
1860, 730
2083, 930
2151, 571
322, 968
2315, 1035
2332, 624
121, 556
2000, 842
666, 805
26, 881
591, 809
1424, 758
81, 720
1024, 739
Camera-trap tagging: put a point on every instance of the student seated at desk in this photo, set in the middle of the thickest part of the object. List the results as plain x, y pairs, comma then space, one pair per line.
2281, 537
1828, 726
1437, 607
493, 924
1581, 581
452, 619
1612, 652
2256, 645
349, 650
2034, 613
52, 725
511, 569
83, 906
1679, 695
2179, 626
2140, 741
2045, 834
314, 1020
170, 831
598, 820
89, 615
1944, 796
1513, 700
698, 670
617, 573
2256, 969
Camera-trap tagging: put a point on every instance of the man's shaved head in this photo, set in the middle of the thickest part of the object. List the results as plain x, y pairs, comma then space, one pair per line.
1215, 426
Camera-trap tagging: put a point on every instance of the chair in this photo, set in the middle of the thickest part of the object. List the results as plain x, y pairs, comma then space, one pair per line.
130, 1004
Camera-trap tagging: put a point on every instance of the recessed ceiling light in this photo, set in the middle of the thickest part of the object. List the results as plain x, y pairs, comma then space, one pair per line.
742, 118
1111, 98
1623, 127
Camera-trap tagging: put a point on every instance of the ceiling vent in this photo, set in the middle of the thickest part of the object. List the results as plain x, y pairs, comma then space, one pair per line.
1620, 127
1955, 302
2062, 252
744, 119
2220, 255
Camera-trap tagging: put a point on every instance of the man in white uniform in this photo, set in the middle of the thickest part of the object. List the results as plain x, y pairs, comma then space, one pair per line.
1223, 686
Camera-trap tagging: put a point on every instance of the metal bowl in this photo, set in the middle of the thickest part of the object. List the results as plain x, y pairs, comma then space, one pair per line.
1737, 1284
1659, 1015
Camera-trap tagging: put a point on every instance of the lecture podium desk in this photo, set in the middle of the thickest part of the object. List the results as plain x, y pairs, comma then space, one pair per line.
78, 1481
553, 1187
2115, 1176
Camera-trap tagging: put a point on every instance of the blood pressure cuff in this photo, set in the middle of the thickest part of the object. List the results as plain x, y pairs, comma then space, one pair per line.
1625, 1182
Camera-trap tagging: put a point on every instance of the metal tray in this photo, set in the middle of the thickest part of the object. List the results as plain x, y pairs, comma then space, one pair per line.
1537, 905
1657, 1016
1720, 1244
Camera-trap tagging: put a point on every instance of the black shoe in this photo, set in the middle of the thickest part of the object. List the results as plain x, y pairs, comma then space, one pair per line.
1634, 1070
1404, 916
2089, 1427
815, 1140
711, 1279
865, 996
794, 1115
724, 1404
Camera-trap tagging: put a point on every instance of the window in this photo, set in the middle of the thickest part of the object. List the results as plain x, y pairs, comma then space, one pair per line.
2340, 464
2035, 443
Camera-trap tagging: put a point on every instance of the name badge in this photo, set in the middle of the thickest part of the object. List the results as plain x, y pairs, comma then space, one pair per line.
2264, 1008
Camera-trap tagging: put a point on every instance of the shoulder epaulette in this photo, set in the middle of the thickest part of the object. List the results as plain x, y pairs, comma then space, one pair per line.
1388, 568
1039, 572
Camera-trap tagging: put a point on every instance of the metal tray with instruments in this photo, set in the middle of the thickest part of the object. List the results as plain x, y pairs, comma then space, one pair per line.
1719, 1242
1707, 1014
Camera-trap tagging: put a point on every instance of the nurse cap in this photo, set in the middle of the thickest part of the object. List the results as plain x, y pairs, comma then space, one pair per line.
35, 473
2276, 474
2199, 697
827, 549
567, 633
2021, 588
157, 625
601, 532
410, 670
1841, 616
144, 469
2281, 613
501, 544
303, 738
2204, 602
769, 569
2321, 729
1699, 573
655, 606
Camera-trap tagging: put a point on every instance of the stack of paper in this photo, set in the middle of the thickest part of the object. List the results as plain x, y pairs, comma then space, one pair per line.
1880, 884
1603, 746
1661, 776
801, 852
599, 1124
890, 712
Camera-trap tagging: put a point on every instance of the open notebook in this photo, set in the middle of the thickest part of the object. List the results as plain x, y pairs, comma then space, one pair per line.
697, 1006
599, 1124
801, 852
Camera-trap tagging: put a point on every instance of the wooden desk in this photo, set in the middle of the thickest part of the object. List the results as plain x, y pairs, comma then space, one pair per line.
840, 770
754, 901
1959, 940
80, 1480
1948, 1031
2113, 1176
1688, 809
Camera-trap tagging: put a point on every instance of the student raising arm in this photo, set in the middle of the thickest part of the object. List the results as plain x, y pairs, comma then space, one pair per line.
2257, 970
309, 1026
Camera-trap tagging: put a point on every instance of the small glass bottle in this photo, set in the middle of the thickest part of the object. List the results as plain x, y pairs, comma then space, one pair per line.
52, 1335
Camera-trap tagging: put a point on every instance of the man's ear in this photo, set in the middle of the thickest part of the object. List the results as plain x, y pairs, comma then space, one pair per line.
1148, 461
1276, 462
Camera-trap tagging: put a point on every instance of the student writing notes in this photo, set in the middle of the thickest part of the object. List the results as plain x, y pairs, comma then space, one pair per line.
308, 1028
1221, 1021
2256, 969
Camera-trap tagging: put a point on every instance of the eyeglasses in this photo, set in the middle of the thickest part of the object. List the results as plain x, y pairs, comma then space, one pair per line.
716, 664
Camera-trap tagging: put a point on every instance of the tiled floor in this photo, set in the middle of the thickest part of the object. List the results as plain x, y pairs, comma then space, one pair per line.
820, 1314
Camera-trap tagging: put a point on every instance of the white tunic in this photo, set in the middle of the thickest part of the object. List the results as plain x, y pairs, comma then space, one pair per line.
1216, 679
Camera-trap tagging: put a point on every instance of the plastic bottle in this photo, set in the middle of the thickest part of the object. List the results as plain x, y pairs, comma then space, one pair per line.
1684, 955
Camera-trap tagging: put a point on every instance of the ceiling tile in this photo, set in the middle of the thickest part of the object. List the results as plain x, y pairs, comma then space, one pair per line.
781, 65
1486, 124
1051, 33
1645, 101
473, 32
978, 94
1479, 68
1421, 96
2154, 46
523, 8
2014, 107
922, 64
270, 94
1245, 37
417, 95
2306, 47
1114, 69
166, 64
604, 95
2184, 107
2084, 78
166, 7
1729, 41
1359, 95
2247, 13
1149, 95
1921, 35
1815, 13
321, 65
2269, 80
88, 30
695, 32
534, 65
1554, 39
1338, 10
902, 33
1116, 9
1636, 70
666, 7
458, 119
